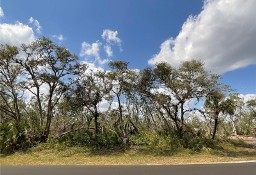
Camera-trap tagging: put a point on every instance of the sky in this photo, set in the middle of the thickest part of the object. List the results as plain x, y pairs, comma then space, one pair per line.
220, 33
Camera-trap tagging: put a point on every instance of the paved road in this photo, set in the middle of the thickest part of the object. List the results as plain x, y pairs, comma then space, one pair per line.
217, 169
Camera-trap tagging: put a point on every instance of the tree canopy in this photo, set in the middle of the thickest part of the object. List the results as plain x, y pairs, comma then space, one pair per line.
45, 92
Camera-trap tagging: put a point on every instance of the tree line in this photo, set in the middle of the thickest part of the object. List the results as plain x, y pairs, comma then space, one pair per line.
46, 93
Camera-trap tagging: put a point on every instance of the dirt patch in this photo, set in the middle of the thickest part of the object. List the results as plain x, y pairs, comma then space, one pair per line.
247, 139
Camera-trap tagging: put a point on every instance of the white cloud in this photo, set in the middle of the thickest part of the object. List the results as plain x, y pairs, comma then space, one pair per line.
103, 61
108, 50
58, 37
93, 50
92, 68
90, 49
111, 36
247, 97
16, 34
222, 36
36, 23
1, 12
105, 105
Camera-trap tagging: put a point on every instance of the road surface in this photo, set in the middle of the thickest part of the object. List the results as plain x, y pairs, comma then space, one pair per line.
216, 169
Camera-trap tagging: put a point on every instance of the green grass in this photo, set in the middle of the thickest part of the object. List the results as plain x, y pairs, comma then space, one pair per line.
58, 154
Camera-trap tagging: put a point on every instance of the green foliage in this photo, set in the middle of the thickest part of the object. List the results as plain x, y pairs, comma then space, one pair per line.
89, 139
247, 125
195, 143
13, 137
153, 106
171, 142
156, 141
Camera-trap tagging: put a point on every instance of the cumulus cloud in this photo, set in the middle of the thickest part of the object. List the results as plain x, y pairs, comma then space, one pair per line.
16, 34
111, 36
92, 50
92, 68
1, 12
58, 37
36, 24
222, 36
108, 50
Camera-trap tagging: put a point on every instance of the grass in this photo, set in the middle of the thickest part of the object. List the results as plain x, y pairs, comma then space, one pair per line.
48, 154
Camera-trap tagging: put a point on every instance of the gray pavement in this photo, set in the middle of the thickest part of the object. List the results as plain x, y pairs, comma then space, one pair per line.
214, 169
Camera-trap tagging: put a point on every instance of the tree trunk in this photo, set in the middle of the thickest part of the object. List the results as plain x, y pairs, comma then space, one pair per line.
96, 124
120, 108
39, 106
181, 129
216, 121
49, 115
234, 128
16, 105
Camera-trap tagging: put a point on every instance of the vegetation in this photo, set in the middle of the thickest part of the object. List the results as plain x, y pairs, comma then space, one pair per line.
48, 98
61, 154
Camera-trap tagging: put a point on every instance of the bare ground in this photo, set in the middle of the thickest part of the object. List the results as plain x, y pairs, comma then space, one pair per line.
247, 139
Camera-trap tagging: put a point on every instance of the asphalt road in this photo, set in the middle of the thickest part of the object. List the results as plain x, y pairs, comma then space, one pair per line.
216, 169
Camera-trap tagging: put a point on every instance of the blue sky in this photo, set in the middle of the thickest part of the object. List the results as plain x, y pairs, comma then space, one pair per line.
144, 32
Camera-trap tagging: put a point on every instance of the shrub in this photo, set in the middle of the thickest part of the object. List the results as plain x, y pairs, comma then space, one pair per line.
88, 138
157, 141
197, 143
13, 137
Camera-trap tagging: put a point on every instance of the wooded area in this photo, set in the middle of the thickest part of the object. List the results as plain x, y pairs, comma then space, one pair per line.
47, 94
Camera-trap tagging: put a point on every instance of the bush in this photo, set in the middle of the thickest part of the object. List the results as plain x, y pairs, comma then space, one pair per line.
156, 141
13, 137
88, 138
197, 143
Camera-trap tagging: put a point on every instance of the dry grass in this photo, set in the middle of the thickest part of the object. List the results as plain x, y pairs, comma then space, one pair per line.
61, 155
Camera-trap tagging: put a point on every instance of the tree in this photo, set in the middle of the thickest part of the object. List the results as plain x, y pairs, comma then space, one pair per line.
31, 63
143, 88
247, 118
181, 85
45, 64
10, 89
236, 111
217, 104
59, 67
251, 104
121, 79
90, 89
120, 69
